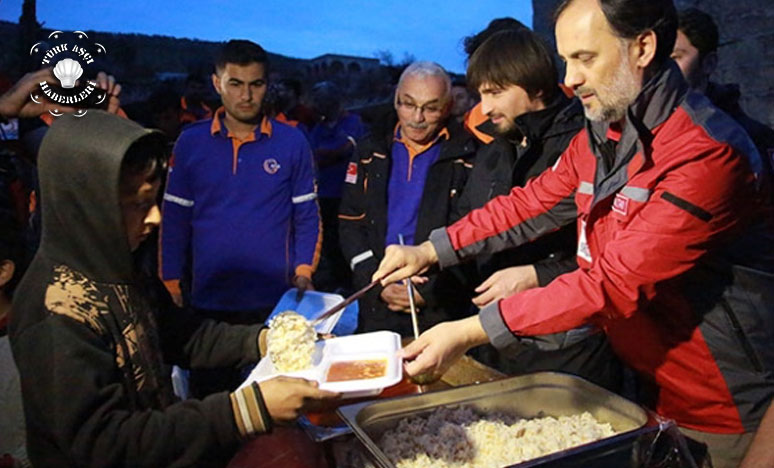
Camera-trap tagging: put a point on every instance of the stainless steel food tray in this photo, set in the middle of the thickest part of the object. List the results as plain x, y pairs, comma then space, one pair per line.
528, 396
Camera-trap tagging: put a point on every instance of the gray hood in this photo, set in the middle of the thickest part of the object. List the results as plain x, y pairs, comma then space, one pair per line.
79, 166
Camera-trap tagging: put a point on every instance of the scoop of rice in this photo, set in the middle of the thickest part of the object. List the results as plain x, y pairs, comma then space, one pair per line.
291, 342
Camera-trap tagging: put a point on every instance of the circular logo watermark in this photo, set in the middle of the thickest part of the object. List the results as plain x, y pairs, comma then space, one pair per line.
72, 56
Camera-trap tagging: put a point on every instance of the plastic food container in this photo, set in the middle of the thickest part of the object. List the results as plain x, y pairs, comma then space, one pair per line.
366, 350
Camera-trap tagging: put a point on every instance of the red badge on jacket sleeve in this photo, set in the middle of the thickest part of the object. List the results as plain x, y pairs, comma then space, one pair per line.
351, 173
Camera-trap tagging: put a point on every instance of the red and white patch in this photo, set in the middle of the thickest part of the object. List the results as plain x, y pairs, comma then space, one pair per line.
621, 204
351, 177
271, 166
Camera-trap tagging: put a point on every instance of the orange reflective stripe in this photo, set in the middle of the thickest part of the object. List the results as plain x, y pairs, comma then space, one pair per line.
318, 246
351, 218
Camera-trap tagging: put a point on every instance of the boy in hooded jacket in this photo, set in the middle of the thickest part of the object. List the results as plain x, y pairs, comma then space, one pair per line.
94, 338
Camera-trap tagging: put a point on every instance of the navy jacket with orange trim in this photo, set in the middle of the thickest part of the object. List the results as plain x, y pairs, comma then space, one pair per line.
675, 253
244, 212
363, 224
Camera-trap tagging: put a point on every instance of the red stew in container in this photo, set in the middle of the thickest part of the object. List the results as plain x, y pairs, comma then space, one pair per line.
356, 370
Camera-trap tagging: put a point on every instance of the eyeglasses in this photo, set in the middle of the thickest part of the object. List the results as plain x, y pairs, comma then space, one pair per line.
430, 110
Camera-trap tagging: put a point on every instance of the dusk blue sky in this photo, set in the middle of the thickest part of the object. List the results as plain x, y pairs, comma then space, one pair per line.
429, 30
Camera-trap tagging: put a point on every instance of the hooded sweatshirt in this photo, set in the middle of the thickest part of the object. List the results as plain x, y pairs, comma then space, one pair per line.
93, 338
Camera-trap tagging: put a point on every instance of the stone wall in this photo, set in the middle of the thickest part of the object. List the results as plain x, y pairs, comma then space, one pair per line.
746, 51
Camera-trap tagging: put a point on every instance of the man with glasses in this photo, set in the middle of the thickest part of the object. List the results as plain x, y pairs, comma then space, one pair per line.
405, 182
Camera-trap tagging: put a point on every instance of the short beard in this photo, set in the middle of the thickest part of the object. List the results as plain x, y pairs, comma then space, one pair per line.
619, 94
506, 129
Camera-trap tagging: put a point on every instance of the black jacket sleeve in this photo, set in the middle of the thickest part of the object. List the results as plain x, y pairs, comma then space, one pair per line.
547, 270
192, 342
463, 205
73, 388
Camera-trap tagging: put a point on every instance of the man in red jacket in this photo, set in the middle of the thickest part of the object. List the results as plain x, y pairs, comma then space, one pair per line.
675, 257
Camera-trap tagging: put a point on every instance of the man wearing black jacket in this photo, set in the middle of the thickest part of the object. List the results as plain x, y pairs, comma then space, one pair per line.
405, 180
532, 122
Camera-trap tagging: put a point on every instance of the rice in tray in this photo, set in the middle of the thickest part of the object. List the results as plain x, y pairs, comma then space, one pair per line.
291, 342
461, 438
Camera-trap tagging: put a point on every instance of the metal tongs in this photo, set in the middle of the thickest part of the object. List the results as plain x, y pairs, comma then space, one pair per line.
345, 302
421, 379
412, 305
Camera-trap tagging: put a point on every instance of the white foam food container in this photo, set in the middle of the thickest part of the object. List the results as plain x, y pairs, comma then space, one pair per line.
365, 346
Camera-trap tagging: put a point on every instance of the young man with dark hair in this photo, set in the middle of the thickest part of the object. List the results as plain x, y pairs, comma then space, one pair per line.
696, 47
240, 208
93, 337
696, 54
475, 117
674, 250
532, 123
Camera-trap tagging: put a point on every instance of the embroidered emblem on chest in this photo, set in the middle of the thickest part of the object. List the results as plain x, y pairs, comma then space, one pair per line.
621, 204
271, 166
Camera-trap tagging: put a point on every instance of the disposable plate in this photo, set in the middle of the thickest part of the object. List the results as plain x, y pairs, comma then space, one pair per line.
367, 346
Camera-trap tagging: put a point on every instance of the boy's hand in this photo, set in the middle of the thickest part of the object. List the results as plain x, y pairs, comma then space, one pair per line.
287, 398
